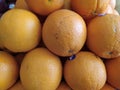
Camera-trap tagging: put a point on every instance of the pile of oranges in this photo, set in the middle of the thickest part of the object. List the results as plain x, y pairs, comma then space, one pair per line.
60, 45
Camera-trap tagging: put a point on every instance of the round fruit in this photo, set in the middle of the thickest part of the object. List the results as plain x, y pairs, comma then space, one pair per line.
103, 37
63, 86
89, 8
41, 70
21, 4
17, 86
107, 87
85, 72
8, 70
66, 34
44, 7
113, 74
20, 30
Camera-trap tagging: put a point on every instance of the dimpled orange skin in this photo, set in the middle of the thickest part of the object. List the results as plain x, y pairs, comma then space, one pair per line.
103, 36
89, 8
64, 32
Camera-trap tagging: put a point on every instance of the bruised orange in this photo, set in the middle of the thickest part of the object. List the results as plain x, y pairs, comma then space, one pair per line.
64, 32
103, 36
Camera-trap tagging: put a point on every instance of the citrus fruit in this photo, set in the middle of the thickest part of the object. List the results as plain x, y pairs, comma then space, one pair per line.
85, 71
44, 7
103, 36
89, 8
107, 87
17, 86
66, 34
40, 70
63, 86
21, 4
113, 68
8, 70
20, 30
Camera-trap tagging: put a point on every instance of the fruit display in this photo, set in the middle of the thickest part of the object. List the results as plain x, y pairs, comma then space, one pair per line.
59, 44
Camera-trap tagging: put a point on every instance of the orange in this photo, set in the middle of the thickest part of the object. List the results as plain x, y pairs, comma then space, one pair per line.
113, 3
113, 74
17, 86
8, 70
21, 4
63, 86
20, 30
66, 34
89, 8
103, 37
41, 70
107, 87
85, 71
44, 7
